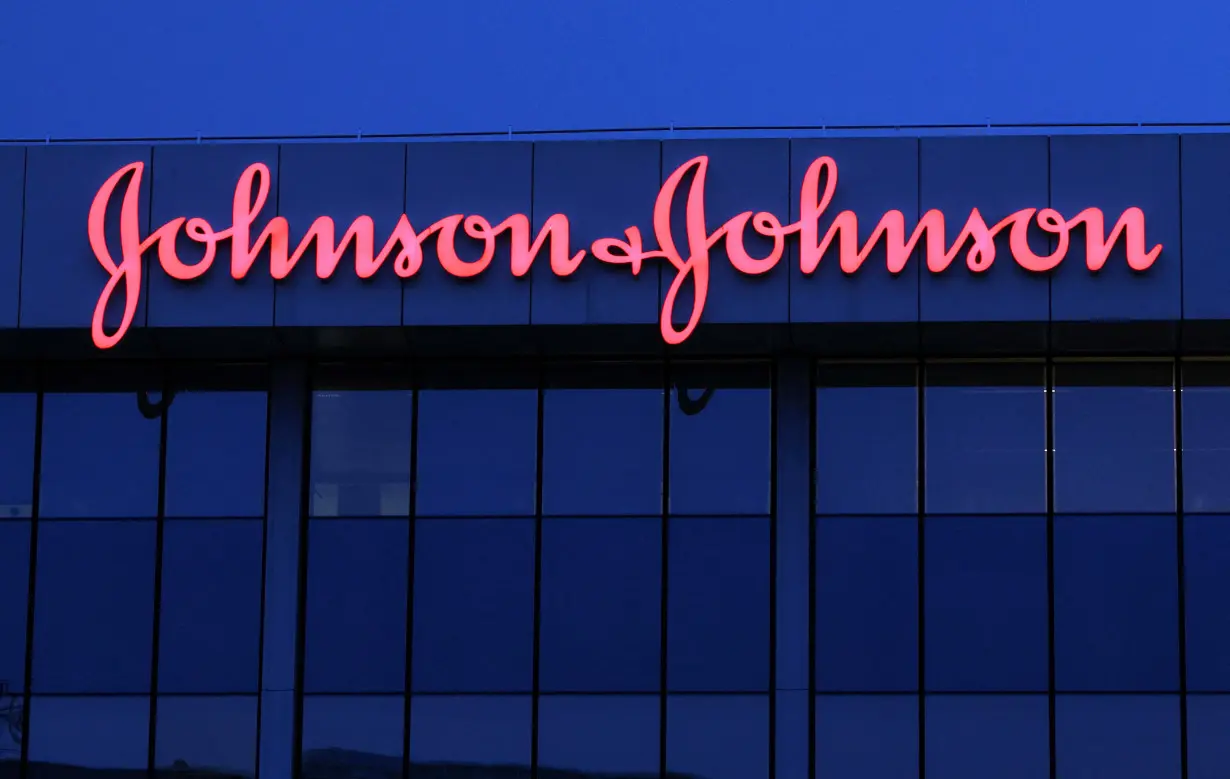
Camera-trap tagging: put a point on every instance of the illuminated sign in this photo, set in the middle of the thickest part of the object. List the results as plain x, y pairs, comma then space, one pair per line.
403, 248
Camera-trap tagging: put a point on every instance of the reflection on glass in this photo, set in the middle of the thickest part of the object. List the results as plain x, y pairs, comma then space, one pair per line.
357, 582
17, 414
1206, 565
601, 612
861, 736
85, 436
718, 736
1097, 736
94, 606
602, 734
980, 736
14, 585
361, 453
216, 454
718, 610
1114, 438
350, 736
211, 606
477, 452
1208, 749
206, 733
1206, 436
489, 730
99, 733
602, 451
474, 605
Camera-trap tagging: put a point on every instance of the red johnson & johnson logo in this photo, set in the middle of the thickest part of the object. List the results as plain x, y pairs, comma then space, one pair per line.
691, 262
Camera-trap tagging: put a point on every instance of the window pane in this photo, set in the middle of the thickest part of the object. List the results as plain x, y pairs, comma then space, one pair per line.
601, 605
206, 732
980, 736
216, 454
1114, 438
361, 453
1097, 736
606, 734
720, 453
1208, 749
867, 604
867, 440
1207, 567
718, 633
602, 451
474, 605
211, 606
14, 584
466, 730
477, 452
986, 603
718, 736
99, 733
17, 414
1206, 436
862, 736
94, 607
357, 581
1116, 604
345, 735
986, 438
81, 433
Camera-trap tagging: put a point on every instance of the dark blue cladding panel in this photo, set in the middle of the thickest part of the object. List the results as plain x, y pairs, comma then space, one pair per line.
492, 180
603, 189
12, 190
998, 176
199, 181
1113, 173
342, 181
744, 175
1206, 202
61, 280
874, 176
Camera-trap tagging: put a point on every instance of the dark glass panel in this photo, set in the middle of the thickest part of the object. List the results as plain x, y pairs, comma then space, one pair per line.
1206, 565
1208, 749
599, 734
207, 733
862, 736
1097, 736
718, 736
103, 733
448, 732
1206, 436
353, 737
216, 454
15, 585
981, 736
361, 453
17, 413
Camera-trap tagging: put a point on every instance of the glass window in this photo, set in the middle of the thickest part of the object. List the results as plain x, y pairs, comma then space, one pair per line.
357, 582
867, 604
601, 605
1097, 736
986, 438
474, 605
862, 736
206, 732
216, 454
1114, 437
14, 583
17, 413
467, 730
210, 623
602, 442
361, 453
986, 603
1207, 569
721, 421
477, 452
94, 607
349, 735
1116, 604
602, 734
867, 439
718, 611
1206, 436
1208, 749
718, 736
107, 732
83, 434
981, 736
